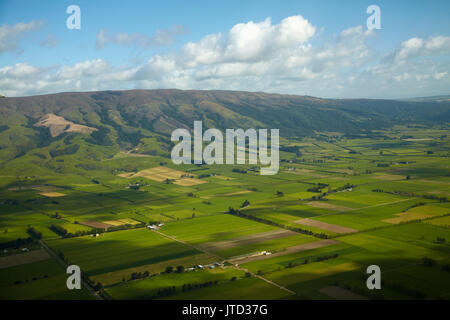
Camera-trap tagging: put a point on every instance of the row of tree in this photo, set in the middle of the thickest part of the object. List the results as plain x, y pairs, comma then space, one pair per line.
412, 194
19, 242
34, 233
190, 287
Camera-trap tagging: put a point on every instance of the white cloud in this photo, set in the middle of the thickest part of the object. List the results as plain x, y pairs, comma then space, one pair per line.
11, 35
409, 48
438, 43
20, 71
249, 42
88, 75
257, 56
416, 47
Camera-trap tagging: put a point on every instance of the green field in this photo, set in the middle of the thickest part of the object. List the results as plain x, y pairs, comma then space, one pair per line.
41, 280
383, 199
119, 250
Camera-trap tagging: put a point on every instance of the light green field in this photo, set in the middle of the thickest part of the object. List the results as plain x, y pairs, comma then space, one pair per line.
214, 228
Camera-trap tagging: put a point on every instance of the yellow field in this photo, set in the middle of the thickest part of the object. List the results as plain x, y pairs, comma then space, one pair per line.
237, 193
407, 216
161, 174
389, 177
126, 174
186, 182
121, 222
52, 194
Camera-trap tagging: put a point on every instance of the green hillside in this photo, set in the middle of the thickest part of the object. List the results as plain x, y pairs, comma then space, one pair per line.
142, 120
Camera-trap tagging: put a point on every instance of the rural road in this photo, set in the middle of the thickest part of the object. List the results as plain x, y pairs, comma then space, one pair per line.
235, 266
187, 244
266, 280
83, 282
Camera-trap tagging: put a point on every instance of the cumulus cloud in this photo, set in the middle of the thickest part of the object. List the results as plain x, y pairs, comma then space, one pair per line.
162, 37
257, 56
249, 42
88, 75
409, 48
11, 35
276, 52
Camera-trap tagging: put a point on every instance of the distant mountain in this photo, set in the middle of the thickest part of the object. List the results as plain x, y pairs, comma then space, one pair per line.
429, 99
90, 126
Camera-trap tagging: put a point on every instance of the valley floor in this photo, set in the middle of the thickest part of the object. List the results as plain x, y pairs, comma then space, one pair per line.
337, 206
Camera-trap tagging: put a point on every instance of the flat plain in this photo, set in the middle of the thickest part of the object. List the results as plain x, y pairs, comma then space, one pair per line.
337, 205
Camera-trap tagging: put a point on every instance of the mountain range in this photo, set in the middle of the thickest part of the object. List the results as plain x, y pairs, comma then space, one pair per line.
96, 125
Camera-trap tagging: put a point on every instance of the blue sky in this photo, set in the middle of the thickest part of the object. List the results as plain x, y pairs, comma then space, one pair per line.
38, 54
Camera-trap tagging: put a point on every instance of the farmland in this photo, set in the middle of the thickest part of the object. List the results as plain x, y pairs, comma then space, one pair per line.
337, 205
43, 279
